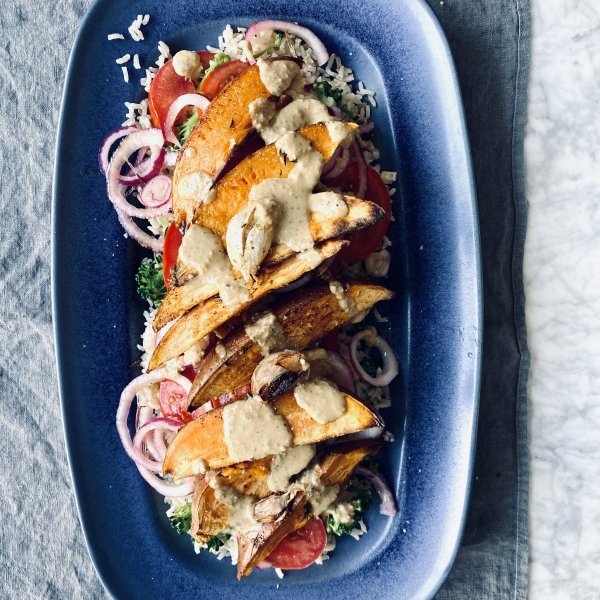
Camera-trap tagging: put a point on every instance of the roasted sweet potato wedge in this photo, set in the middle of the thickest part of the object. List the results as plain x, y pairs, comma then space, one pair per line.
260, 541
208, 315
203, 438
209, 516
181, 299
231, 193
305, 317
337, 466
224, 125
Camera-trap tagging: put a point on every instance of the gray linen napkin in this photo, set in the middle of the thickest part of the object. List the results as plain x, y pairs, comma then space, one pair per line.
490, 42
42, 553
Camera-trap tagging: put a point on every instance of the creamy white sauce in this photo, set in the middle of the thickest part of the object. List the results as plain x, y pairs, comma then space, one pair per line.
202, 251
339, 133
187, 64
277, 75
320, 496
321, 399
250, 235
342, 512
311, 257
266, 332
328, 205
346, 303
196, 187
301, 112
253, 430
195, 354
220, 350
288, 464
241, 506
292, 194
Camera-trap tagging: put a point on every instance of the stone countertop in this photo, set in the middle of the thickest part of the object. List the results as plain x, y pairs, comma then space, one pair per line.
562, 283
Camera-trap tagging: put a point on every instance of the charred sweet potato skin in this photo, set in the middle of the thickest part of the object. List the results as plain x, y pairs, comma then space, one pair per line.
305, 318
210, 314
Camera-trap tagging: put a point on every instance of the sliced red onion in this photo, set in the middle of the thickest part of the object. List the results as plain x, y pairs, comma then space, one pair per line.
362, 169
332, 161
390, 362
108, 143
388, 502
141, 237
172, 490
157, 192
341, 373
152, 138
339, 167
145, 414
158, 440
160, 424
124, 408
197, 100
367, 127
336, 112
307, 35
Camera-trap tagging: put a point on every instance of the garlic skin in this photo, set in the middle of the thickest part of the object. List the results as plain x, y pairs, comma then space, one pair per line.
277, 373
249, 237
378, 263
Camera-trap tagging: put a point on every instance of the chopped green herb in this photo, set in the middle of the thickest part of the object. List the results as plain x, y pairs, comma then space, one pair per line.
327, 95
181, 519
219, 59
217, 541
363, 497
150, 282
186, 128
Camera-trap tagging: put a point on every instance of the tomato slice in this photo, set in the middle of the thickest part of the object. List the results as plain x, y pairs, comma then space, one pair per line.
205, 57
165, 88
173, 239
174, 401
301, 548
365, 241
217, 79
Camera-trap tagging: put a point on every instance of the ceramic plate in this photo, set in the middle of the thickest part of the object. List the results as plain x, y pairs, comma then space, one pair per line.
397, 49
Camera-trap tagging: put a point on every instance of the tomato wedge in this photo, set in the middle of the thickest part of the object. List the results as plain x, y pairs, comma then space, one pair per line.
301, 548
173, 239
205, 57
365, 241
174, 401
217, 79
166, 87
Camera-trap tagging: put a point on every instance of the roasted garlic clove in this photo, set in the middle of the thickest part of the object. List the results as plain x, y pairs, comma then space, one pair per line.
277, 373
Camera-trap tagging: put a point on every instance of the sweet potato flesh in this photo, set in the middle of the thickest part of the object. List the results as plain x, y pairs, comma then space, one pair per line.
203, 438
224, 125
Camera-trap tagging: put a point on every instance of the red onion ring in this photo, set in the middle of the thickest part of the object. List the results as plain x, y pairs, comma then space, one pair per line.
341, 373
172, 490
124, 408
145, 414
307, 35
160, 424
391, 367
331, 162
157, 192
152, 138
367, 127
197, 100
339, 167
107, 145
362, 168
388, 502
141, 237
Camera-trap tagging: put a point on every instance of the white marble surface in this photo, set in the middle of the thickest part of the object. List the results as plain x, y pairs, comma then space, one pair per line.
562, 279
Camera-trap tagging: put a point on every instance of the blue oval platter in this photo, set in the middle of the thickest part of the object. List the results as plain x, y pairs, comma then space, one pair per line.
396, 48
